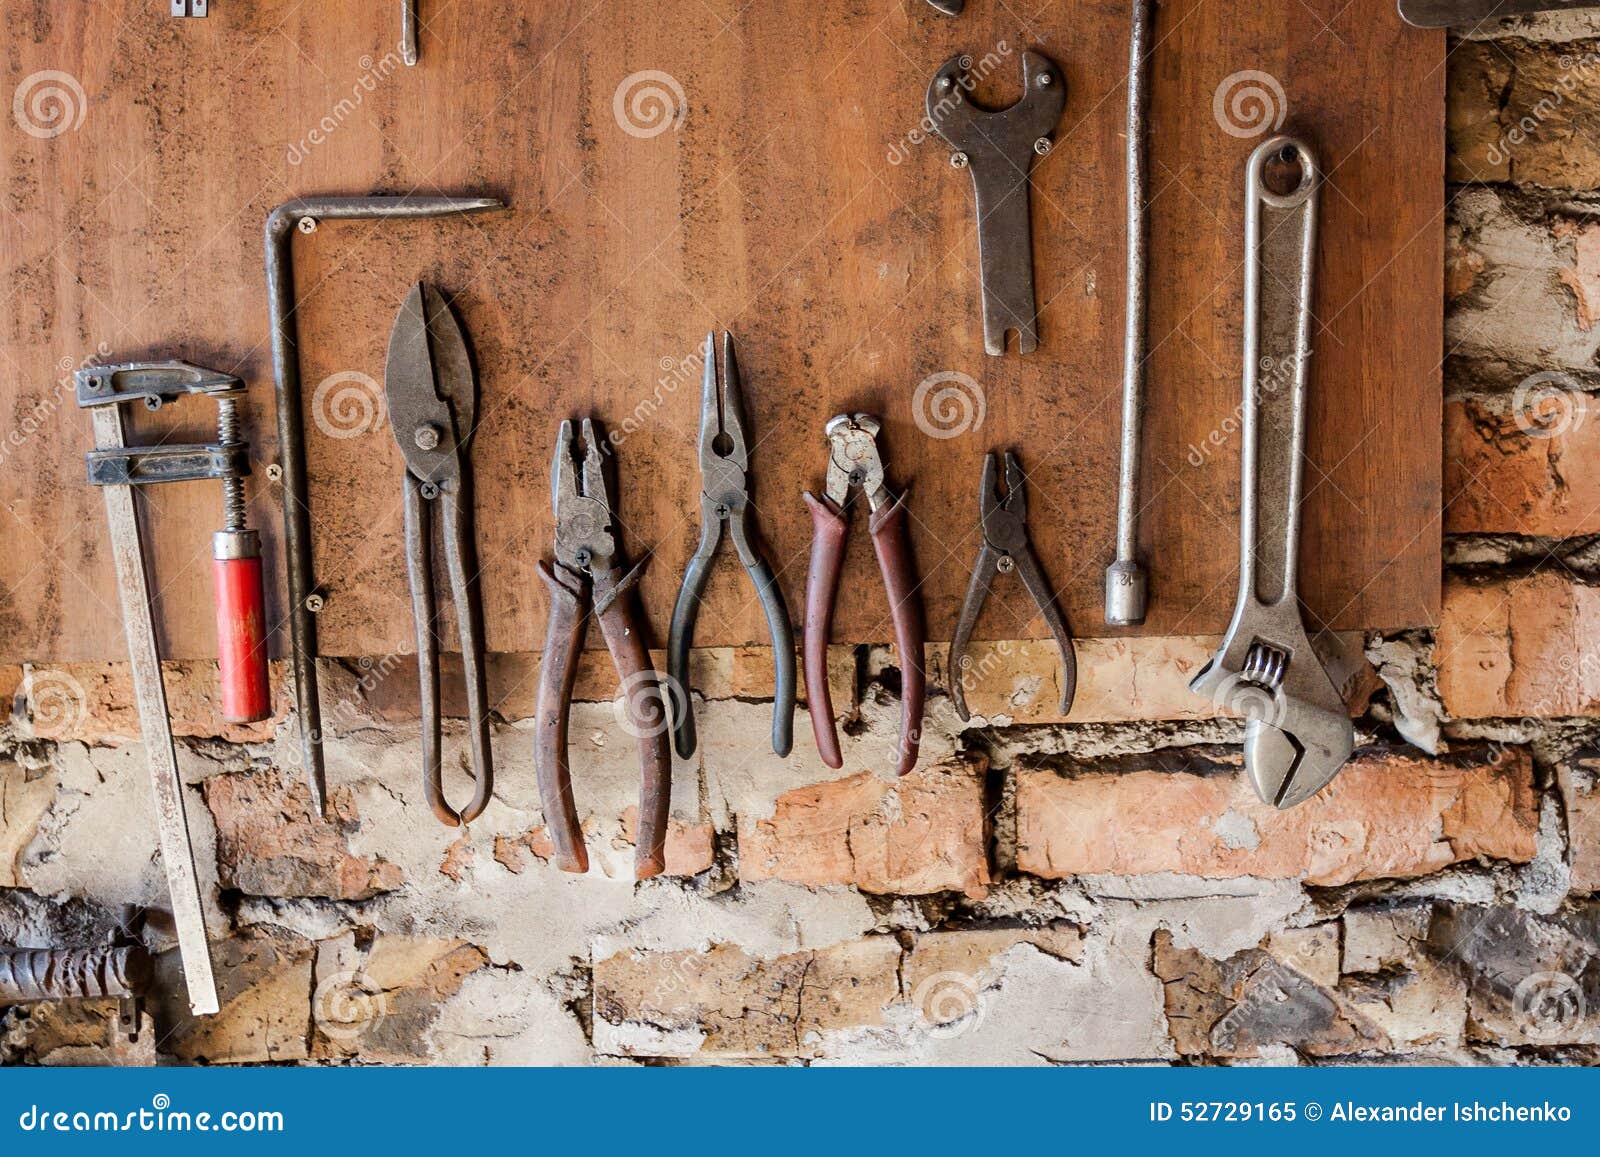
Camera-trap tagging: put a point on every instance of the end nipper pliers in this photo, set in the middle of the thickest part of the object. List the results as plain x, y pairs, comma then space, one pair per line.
432, 395
725, 502
1006, 548
855, 464
590, 562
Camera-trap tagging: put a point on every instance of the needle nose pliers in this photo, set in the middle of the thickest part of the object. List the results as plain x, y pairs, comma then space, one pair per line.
432, 396
855, 464
725, 502
1006, 548
590, 563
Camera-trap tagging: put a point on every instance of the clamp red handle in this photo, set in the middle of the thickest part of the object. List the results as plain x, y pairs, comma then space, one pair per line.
241, 626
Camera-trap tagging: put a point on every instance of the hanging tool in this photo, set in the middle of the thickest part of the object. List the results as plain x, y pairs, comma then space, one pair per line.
432, 395
119, 468
949, 7
1007, 547
408, 32
1126, 579
725, 502
855, 464
999, 148
590, 563
305, 596
1444, 13
1299, 732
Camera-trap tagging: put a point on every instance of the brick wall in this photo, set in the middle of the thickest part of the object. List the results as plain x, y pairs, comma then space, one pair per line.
1102, 888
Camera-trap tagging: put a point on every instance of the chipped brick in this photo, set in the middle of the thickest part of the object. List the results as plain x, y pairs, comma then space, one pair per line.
1387, 814
921, 834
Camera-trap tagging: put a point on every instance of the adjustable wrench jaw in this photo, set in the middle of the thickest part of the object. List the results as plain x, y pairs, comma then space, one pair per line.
1298, 733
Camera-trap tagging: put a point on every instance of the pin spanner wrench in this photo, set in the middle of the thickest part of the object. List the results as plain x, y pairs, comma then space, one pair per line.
1298, 733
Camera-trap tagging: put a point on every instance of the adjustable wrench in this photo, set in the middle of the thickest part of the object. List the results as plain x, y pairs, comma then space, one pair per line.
1299, 733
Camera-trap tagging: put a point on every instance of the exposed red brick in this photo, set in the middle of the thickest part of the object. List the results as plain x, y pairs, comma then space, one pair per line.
270, 844
1507, 473
513, 852
688, 849
1387, 814
1520, 647
925, 833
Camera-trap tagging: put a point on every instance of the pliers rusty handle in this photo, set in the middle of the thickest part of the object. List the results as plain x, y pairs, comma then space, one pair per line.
431, 392
725, 502
854, 463
1007, 547
589, 563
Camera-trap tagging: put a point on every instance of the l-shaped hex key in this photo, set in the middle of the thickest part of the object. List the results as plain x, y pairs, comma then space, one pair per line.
304, 598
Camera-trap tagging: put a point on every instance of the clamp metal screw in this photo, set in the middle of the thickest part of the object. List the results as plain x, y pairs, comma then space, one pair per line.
958, 160
1042, 146
315, 603
308, 225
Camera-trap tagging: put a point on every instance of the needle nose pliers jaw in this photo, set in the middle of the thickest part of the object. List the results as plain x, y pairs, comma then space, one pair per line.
725, 502
855, 464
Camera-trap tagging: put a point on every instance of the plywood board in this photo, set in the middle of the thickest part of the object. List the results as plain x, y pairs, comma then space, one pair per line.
671, 168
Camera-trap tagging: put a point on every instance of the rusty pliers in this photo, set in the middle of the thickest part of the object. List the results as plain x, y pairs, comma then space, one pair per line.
432, 396
725, 501
1007, 547
590, 561
854, 463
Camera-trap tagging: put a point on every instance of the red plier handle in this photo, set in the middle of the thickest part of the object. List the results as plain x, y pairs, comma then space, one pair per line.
892, 544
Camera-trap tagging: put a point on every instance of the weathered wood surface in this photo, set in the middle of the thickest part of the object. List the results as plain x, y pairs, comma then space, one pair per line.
790, 199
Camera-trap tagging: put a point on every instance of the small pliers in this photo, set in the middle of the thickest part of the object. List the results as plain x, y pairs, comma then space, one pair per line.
432, 396
854, 463
725, 501
1006, 548
589, 561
